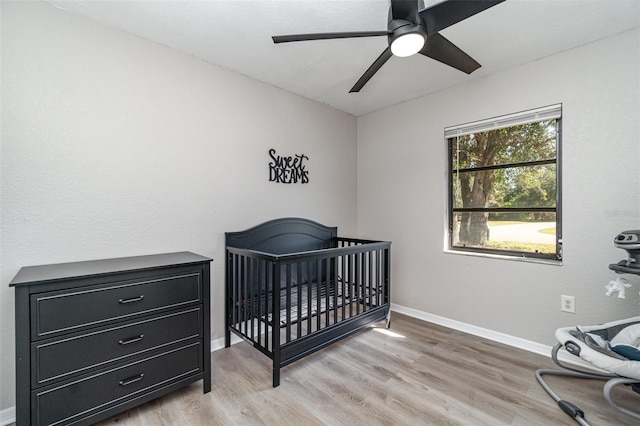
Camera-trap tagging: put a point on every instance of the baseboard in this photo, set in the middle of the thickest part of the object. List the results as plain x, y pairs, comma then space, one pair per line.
516, 342
218, 344
528, 345
496, 336
7, 416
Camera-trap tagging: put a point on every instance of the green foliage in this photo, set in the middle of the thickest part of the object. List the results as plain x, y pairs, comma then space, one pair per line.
516, 144
533, 186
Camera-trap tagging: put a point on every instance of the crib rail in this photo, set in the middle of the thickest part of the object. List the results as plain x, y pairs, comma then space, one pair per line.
285, 305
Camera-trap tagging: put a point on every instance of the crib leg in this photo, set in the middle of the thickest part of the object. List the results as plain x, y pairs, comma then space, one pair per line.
276, 376
227, 338
389, 319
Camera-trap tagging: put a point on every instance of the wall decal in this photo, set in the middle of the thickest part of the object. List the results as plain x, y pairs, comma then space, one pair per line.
288, 169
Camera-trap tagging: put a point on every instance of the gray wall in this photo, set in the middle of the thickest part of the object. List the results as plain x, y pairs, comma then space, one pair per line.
115, 146
402, 193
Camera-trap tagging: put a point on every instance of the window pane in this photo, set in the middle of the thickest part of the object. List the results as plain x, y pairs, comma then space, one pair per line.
522, 143
515, 187
528, 232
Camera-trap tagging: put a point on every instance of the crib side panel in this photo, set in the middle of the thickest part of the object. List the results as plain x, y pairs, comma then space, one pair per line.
250, 280
349, 291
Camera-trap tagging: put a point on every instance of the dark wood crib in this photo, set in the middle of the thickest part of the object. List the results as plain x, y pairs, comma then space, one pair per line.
293, 287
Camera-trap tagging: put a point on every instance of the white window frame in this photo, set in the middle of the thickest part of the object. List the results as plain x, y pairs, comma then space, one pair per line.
530, 116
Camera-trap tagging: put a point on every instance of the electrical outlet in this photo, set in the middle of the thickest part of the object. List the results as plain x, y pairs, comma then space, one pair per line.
568, 304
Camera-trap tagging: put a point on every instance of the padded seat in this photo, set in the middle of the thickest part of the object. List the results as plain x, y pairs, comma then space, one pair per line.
612, 348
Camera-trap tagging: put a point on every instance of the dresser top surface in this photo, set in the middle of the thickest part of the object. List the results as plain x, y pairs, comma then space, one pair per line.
60, 271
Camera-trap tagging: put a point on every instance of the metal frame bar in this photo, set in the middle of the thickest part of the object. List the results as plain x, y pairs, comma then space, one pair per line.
572, 410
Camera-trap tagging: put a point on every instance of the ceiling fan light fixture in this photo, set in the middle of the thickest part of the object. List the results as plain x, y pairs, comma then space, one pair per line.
407, 44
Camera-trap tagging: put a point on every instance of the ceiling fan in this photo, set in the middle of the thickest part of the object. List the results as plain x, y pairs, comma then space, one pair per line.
413, 29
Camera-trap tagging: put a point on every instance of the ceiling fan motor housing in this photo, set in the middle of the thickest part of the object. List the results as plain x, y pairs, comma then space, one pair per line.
403, 21
400, 27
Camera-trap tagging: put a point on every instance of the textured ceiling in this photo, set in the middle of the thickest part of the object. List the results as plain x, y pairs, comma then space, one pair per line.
236, 35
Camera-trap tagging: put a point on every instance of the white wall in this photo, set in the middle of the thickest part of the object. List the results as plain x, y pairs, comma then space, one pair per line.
402, 192
115, 146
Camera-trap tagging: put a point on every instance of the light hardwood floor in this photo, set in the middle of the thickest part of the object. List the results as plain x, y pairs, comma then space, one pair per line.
420, 373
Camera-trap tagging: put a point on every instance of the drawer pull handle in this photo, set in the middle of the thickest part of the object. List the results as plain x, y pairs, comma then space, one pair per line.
132, 300
131, 340
131, 380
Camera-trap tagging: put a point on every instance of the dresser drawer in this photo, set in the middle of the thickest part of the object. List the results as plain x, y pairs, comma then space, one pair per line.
61, 358
69, 310
99, 392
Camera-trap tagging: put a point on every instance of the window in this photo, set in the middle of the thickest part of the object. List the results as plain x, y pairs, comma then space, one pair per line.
504, 185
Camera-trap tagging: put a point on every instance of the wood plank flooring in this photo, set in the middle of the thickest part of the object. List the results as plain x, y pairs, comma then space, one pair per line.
414, 373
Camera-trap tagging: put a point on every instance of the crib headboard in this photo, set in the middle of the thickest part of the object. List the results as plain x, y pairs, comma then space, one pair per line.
287, 235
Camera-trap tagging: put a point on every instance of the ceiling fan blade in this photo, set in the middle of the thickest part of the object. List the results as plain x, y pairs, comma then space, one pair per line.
442, 50
406, 9
447, 13
377, 64
327, 36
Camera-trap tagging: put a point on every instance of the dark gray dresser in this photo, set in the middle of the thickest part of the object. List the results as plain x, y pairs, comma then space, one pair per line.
100, 337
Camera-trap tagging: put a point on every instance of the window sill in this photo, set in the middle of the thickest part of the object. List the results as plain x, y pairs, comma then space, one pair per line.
506, 257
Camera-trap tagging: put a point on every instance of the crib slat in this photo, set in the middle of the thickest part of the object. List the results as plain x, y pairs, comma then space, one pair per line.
328, 291
268, 337
318, 292
334, 286
233, 291
238, 288
258, 303
255, 320
287, 306
275, 297
309, 296
378, 277
250, 301
351, 275
342, 283
358, 280
257, 292
245, 299
370, 279
299, 304
326, 288
238, 292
